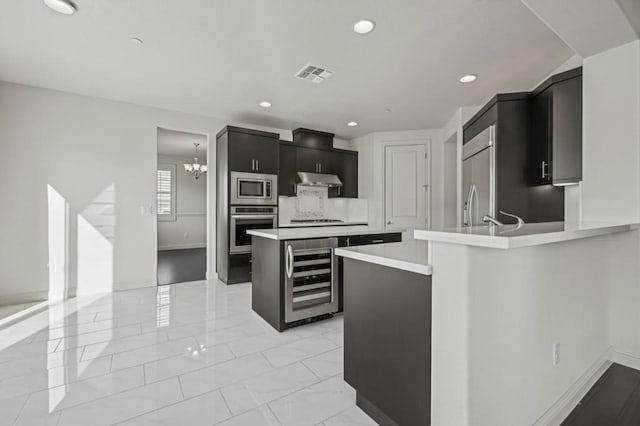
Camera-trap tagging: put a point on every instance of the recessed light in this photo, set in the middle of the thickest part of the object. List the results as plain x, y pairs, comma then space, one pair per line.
61, 6
265, 104
137, 41
468, 78
364, 27
352, 124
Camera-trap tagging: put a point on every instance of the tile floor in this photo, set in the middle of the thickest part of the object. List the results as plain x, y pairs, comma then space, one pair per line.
186, 354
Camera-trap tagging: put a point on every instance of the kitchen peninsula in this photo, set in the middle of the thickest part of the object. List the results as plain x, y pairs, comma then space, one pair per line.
510, 322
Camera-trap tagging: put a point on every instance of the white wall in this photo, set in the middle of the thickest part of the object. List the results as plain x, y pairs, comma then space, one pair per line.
100, 157
611, 178
493, 333
189, 230
611, 134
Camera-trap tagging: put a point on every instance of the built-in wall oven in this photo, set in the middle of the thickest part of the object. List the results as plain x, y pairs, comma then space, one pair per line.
254, 188
246, 218
311, 279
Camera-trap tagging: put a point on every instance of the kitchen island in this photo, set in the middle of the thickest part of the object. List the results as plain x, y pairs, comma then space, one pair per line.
518, 321
295, 276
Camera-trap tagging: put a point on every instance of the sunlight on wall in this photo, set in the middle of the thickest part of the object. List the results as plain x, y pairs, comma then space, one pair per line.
58, 221
96, 234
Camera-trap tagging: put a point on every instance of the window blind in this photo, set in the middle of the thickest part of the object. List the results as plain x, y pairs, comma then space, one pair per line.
164, 192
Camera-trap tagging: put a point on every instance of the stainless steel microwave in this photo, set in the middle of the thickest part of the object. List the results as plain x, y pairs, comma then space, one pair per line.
254, 188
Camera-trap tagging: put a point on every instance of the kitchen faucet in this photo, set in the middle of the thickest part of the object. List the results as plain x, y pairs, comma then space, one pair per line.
488, 219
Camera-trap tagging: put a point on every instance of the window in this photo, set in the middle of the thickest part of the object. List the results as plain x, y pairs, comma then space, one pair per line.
166, 192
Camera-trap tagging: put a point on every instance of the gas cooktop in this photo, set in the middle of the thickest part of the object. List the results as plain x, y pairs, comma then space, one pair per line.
317, 221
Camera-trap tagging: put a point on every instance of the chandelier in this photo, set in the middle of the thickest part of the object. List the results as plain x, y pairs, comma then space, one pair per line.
196, 168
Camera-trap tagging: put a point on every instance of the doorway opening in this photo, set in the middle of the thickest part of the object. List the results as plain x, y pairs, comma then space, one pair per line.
181, 206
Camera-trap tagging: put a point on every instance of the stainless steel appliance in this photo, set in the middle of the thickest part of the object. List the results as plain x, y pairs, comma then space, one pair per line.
311, 279
246, 218
319, 179
479, 177
253, 188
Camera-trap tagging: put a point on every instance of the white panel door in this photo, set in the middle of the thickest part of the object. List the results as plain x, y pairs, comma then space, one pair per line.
405, 186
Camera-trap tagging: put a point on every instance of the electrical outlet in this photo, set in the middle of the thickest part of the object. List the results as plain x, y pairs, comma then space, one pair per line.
556, 354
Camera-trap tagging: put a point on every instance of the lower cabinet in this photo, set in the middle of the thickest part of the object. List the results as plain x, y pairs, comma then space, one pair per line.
387, 342
239, 268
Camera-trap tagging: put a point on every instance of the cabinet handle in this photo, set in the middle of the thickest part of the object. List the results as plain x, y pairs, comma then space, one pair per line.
320, 167
294, 188
377, 241
348, 241
253, 165
257, 165
338, 191
544, 173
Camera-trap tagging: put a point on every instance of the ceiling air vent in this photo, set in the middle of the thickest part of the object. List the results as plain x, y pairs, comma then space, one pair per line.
313, 74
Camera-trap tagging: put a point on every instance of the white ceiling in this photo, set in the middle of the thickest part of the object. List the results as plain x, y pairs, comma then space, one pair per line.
180, 144
220, 58
590, 26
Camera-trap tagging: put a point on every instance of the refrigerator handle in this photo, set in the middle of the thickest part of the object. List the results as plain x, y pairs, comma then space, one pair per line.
470, 204
467, 206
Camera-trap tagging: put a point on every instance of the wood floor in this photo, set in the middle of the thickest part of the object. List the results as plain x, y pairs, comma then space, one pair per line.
613, 401
178, 266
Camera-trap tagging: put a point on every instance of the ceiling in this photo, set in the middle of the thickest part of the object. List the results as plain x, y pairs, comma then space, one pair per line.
180, 144
617, 22
220, 58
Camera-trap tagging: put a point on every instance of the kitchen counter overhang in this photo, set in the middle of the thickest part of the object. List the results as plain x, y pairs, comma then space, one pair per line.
514, 236
408, 255
318, 232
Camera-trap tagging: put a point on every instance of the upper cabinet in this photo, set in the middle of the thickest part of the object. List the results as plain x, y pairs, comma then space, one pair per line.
288, 175
252, 151
294, 159
556, 134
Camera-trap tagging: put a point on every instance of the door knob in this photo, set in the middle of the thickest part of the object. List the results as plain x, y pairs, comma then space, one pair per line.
389, 223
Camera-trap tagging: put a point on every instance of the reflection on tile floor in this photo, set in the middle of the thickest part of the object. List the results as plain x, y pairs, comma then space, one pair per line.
187, 354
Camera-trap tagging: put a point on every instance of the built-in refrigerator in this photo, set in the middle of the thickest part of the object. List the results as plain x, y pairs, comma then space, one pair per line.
479, 177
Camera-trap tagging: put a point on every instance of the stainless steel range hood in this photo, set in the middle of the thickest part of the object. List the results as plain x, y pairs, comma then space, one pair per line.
319, 179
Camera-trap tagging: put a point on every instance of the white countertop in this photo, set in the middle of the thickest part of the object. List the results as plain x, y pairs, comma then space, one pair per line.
407, 255
317, 232
307, 225
531, 234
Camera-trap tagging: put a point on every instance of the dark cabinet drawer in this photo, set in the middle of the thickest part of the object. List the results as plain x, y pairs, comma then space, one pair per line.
361, 240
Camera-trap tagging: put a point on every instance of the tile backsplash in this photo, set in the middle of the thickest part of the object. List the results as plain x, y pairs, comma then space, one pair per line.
313, 202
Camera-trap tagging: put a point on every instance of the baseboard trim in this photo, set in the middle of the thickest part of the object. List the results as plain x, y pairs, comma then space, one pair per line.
181, 246
559, 411
627, 360
17, 299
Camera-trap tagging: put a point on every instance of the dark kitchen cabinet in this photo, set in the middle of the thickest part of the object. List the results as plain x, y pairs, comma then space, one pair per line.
511, 114
294, 159
348, 174
238, 150
316, 160
252, 151
288, 175
556, 136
